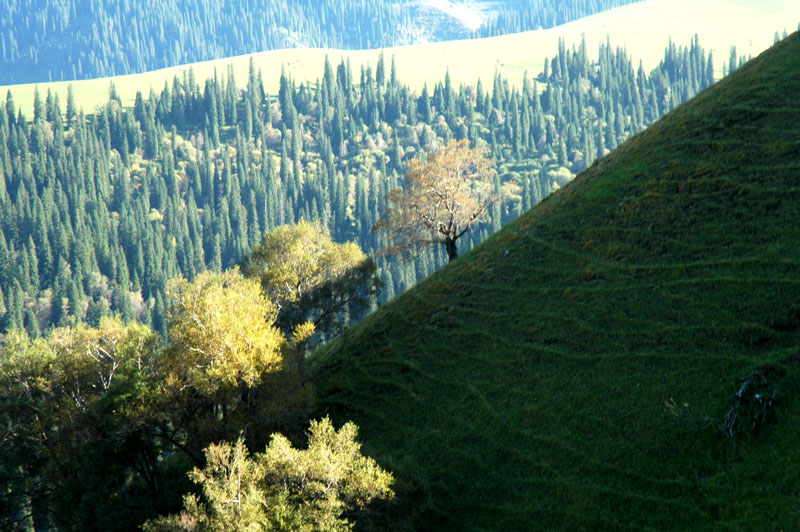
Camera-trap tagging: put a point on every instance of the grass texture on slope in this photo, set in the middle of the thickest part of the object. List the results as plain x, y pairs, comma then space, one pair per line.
567, 373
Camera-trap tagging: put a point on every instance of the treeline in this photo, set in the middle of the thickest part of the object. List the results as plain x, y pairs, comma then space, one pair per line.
98, 211
42, 40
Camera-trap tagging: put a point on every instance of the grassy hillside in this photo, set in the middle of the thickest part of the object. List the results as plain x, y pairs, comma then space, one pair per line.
568, 374
644, 28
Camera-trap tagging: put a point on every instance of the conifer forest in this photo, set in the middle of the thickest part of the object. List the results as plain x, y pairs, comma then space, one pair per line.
99, 210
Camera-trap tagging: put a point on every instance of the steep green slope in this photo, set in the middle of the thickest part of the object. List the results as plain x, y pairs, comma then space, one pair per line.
568, 373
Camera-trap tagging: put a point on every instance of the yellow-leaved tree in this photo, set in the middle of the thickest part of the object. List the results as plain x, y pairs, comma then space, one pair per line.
227, 366
311, 278
221, 332
72, 405
443, 197
283, 488
99, 424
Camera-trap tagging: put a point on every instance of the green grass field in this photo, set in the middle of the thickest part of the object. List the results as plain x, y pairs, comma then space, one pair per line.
643, 28
567, 373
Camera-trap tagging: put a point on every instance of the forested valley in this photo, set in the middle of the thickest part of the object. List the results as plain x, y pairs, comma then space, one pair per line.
154, 328
43, 40
98, 211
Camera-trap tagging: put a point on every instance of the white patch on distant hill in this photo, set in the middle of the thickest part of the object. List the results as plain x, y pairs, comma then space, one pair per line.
466, 15
292, 39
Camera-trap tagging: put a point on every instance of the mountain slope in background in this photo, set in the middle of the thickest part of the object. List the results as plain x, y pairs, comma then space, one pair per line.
575, 370
643, 28
41, 40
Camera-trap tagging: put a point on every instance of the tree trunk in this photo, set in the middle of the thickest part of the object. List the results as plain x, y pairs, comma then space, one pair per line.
450, 246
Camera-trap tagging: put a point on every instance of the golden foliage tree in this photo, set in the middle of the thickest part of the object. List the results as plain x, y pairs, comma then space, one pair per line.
283, 488
221, 332
227, 366
311, 278
443, 198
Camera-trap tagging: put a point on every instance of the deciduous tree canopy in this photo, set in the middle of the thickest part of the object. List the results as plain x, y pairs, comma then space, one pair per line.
98, 424
442, 199
283, 488
311, 278
221, 331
